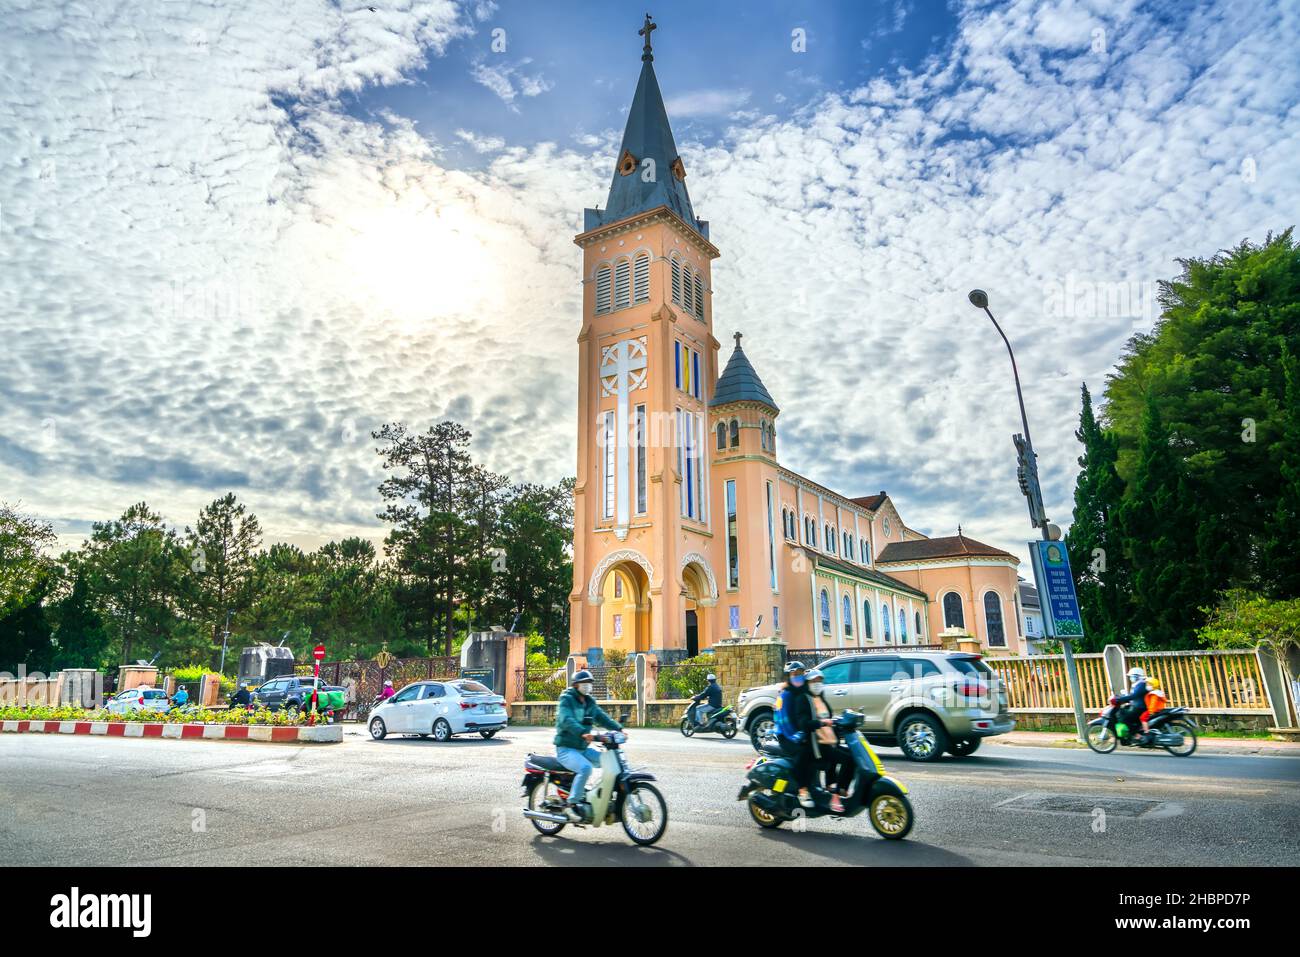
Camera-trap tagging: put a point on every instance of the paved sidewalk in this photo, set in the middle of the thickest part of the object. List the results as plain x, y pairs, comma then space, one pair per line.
1058, 739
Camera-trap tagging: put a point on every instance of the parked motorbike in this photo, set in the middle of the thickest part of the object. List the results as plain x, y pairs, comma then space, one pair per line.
723, 723
772, 792
1172, 729
621, 794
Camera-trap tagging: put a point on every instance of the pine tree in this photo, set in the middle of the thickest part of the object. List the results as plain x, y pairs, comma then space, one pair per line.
1281, 567
1096, 555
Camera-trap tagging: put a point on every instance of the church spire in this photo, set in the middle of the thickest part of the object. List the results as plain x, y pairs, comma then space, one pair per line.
648, 171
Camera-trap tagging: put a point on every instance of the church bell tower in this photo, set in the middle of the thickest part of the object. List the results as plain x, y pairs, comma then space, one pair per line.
644, 551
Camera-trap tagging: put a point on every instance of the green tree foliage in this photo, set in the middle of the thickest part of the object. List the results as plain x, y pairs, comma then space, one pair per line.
1202, 416
1245, 619
1094, 542
466, 550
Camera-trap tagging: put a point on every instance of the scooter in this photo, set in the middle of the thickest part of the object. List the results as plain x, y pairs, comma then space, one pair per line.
622, 794
771, 791
1172, 729
723, 723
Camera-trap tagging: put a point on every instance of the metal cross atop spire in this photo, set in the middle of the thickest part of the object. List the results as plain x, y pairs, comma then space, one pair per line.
738, 335
645, 31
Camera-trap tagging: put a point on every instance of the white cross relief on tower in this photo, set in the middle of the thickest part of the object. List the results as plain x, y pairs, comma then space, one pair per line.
622, 371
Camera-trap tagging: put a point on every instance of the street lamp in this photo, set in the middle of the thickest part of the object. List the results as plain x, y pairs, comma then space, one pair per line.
1027, 472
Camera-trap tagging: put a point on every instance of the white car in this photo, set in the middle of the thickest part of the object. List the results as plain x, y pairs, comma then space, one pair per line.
441, 709
139, 699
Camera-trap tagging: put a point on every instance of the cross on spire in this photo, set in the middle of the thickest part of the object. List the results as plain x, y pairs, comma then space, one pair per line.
645, 31
738, 335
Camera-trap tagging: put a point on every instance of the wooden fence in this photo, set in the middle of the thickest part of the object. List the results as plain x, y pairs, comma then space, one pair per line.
1039, 683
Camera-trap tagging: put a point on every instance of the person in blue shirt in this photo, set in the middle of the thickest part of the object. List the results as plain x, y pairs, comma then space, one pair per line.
794, 723
181, 698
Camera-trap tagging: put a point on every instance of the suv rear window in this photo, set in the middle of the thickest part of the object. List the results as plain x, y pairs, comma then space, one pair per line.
971, 666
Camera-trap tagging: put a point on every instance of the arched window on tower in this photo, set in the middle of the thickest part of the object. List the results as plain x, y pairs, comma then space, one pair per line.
722, 435
641, 278
953, 617
622, 284
826, 613
604, 279
735, 433
699, 295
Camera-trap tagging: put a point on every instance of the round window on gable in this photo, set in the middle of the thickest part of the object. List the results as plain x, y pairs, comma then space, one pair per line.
627, 163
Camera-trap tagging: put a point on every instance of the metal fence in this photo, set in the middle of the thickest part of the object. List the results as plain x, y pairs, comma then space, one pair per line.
812, 657
609, 683
364, 678
678, 681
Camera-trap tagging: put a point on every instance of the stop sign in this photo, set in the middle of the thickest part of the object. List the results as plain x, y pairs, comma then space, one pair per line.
318, 652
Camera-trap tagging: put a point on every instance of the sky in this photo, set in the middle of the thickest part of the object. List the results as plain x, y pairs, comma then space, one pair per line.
237, 236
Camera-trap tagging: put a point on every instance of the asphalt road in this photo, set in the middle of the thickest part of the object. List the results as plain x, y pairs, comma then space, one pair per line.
68, 800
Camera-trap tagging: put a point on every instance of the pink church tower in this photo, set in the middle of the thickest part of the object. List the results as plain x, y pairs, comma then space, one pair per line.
646, 558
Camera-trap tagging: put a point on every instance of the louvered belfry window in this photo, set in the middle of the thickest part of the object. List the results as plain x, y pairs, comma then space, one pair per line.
603, 278
641, 279
677, 281
622, 284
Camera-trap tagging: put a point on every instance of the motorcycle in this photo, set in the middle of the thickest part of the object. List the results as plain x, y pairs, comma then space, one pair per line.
771, 792
723, 723
622, 795
1172, 729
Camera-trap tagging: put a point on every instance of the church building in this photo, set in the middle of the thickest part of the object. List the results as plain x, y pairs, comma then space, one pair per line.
687, 527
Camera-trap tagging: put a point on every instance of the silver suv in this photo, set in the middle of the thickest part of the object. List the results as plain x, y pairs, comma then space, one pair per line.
924, 702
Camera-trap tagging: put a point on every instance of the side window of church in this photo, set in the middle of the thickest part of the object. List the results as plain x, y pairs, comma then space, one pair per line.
993, 619
826, 613
952, 612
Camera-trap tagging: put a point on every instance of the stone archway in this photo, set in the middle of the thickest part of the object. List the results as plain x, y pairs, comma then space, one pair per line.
699, 601
621, 588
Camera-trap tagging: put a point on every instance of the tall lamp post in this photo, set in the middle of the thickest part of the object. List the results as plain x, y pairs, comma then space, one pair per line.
1028, 475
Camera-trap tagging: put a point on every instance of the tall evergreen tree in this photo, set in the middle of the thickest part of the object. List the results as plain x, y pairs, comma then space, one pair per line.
1281, 566
1159, 526
1096, 548
222, 549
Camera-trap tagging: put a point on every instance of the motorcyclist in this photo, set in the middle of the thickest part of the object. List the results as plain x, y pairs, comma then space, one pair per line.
712, 694
1131, 705
575, 716
388, 691
828, 754
241, 698
794, 722
181, 698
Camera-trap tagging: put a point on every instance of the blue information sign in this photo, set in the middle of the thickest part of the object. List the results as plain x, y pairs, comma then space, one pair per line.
1056, 590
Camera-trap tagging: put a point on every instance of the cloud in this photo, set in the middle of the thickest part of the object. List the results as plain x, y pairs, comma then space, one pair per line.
706, 103
509, 81
212, 276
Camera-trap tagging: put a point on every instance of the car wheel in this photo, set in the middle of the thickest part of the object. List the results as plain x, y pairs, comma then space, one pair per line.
964, 747
488, 734
441, 730
922, 738
762, 725
377, 729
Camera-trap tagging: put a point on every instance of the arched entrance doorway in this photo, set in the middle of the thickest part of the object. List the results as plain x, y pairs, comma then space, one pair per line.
625, 608
699, 598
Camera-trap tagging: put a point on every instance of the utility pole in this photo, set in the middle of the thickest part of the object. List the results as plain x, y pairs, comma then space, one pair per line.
1050, 587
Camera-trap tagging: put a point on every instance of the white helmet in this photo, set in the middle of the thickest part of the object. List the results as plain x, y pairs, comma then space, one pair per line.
710, 677
1135, 674
389, 682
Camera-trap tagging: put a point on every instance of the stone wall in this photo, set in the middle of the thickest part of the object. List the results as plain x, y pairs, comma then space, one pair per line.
742, 663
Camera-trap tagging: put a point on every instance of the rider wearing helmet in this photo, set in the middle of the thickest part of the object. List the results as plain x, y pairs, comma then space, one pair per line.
388, 691
794, 722
575, 716
1131, 705
712, 694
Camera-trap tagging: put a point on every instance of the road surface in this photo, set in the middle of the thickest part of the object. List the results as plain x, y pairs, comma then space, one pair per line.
68, 800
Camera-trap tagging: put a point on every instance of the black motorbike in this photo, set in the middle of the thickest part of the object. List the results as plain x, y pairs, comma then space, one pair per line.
772, 792
723, 722
1172, 729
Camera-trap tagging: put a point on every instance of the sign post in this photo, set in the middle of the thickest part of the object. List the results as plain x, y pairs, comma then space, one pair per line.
318, 653
1061, 617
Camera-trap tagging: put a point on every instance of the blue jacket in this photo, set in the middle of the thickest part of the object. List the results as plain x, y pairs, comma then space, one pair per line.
793, 715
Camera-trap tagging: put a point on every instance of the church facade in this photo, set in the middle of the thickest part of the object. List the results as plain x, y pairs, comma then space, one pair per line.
687, 527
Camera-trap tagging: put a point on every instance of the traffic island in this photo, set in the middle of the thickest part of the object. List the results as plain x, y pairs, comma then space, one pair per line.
276, 734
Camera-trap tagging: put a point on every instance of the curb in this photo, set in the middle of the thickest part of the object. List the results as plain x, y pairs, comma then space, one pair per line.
1264, 748
317, 734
